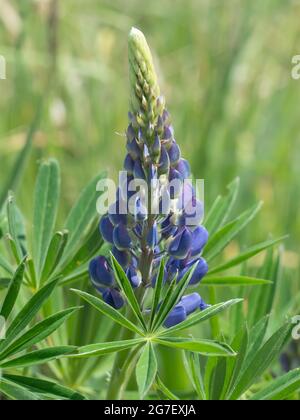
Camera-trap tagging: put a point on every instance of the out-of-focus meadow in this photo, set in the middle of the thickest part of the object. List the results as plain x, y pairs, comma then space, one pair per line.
226, 73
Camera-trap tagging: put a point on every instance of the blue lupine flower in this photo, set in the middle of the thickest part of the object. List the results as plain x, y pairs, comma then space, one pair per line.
177, 315
134, 276
106, 229
199, 240
121, 237
113, 298
187, 305
123, 257
140, 237
180, 245
100, 272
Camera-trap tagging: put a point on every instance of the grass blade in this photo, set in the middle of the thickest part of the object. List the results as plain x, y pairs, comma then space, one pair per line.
233, 281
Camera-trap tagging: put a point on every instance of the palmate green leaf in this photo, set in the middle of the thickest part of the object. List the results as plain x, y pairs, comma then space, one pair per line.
222, 207
46, 199
246, 343
220, 239
204, 347
82, 215
234, 366
40, 386
200, 317
13, 291
263, 298
146, 370
246, 255
100, 349
233, 281
13, 218
109, 311
38, 357
262, 360
192, 364
29, 311
6, 265
161, 387
157, 292
125, 286
280, 388
173, 296
55, 252
16, 392
38, 333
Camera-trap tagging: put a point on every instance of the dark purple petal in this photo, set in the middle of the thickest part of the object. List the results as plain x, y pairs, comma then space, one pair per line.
100, 272
164, 162
180, 245
140, 211
130, 132
138, 170
191, 302
113, 298
134, 276
121, 237
184, 168
199, 240
123, 257
174, 153
133, 149
106, 229
177, 315
175, 186
115, 213
199, 272
128, 164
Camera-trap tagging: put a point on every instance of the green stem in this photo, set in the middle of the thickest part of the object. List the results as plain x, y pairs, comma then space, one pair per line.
123, 365
117, 383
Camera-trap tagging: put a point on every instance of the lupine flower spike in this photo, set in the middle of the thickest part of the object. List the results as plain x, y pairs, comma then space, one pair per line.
141, 237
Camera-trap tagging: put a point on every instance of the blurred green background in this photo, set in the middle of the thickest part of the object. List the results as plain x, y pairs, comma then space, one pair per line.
225, 69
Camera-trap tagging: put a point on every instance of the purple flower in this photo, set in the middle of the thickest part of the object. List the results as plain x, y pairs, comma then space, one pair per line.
199, 240
113, 298
121, 237
177, 315
123, 257
180, 245
100, 272
106, 229
174, 153
134, 276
